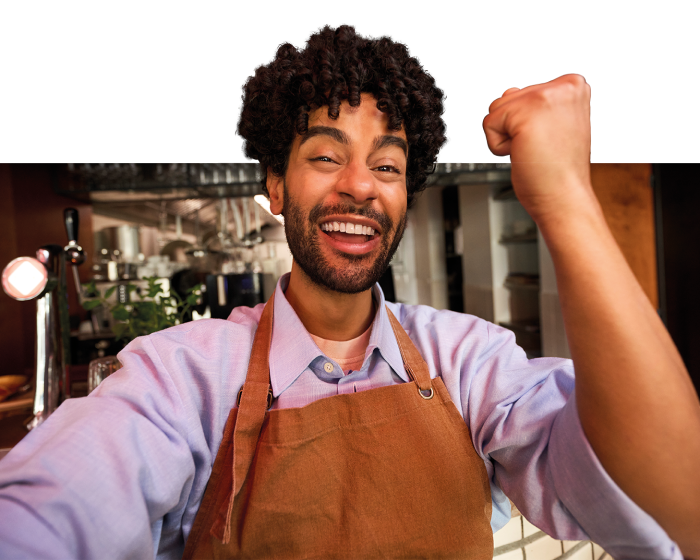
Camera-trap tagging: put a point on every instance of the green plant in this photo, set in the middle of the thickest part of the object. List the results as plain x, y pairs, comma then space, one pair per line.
155, 309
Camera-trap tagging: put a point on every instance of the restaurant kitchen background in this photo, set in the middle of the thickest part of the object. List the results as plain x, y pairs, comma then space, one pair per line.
469, 247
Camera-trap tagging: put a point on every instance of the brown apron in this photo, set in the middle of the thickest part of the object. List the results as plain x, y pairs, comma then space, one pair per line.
384, 473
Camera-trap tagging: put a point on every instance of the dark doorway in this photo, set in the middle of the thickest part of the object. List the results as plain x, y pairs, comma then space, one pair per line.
677, 202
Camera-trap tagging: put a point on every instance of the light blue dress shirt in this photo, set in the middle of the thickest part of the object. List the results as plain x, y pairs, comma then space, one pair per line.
121, 473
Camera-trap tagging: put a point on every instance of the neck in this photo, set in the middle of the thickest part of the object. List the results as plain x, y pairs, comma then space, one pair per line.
326, 313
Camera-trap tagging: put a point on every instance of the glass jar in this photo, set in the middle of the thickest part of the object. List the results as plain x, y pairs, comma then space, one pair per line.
100, 369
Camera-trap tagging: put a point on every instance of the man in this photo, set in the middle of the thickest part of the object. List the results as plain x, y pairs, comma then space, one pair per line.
430, 416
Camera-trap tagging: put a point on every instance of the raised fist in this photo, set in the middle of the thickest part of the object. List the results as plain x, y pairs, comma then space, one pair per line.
546, 130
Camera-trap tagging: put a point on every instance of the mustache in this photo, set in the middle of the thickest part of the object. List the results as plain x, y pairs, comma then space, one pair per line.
320, 211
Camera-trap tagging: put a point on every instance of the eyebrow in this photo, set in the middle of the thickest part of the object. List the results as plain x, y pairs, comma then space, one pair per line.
342, 138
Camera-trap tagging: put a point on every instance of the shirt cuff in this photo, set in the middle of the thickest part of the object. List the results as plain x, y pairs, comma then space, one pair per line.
603, 510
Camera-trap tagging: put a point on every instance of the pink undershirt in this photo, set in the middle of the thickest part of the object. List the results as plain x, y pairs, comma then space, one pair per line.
348, 354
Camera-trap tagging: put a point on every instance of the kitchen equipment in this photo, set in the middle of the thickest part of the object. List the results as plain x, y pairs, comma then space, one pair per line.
100, 369
200, 258
225, 243
226, 291
250, 239
44, 278
177, 249
124, 238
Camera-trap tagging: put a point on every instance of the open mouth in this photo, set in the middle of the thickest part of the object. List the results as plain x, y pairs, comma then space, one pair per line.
349, 232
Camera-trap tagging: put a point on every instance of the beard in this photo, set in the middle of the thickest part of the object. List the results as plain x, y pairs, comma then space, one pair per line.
360, 272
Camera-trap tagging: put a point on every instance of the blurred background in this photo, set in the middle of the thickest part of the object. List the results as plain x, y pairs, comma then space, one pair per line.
469, 247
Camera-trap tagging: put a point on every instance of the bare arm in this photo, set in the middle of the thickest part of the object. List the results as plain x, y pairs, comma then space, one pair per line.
636, 402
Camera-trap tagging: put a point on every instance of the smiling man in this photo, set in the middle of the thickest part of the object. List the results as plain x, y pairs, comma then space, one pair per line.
344, 200
329, 423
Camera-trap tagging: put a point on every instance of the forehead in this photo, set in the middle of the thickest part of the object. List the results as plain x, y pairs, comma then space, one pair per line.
362, 120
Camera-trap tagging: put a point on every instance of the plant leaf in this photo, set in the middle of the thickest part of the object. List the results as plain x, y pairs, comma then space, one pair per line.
91, 304
196, 288
119, 330
120, 313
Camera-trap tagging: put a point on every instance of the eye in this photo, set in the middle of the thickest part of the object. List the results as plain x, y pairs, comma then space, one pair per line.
324, 159
387, 169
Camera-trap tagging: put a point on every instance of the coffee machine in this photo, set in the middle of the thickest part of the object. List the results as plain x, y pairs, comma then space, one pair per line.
226, 291
43, 278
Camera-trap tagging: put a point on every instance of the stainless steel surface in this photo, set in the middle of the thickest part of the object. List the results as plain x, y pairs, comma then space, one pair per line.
52, 320
469, 174
199, 257
124, 239
238, 222
78, 285
74, 253
47, 369
149, 214
158, 181
177, 251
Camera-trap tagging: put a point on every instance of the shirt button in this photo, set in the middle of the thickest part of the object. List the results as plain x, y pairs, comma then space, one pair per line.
328, 367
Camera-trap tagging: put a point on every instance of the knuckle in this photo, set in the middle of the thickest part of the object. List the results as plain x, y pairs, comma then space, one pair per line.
578, 84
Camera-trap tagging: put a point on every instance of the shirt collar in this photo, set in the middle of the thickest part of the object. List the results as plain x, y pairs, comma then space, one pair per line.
292, 349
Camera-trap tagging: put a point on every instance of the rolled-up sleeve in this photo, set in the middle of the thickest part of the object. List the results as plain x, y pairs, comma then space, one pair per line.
96, 479
524, 423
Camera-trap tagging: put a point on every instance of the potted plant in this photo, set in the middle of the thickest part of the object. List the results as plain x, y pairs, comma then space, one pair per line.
154, 310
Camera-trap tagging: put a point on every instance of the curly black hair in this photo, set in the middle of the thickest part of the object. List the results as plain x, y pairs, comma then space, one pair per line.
338, 64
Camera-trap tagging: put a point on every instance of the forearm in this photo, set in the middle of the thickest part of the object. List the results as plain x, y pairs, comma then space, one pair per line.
636, 402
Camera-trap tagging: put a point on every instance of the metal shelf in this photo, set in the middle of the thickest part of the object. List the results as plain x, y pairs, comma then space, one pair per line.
140, 183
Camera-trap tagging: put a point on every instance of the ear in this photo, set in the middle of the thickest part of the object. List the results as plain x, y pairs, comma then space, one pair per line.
275, 186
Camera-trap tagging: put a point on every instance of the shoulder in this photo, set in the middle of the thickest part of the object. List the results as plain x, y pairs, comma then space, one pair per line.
204, 351
427, 320
200, 364
459, 341
239, 326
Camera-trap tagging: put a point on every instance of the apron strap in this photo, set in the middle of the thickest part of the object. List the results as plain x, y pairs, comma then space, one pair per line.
414, 363
253, 403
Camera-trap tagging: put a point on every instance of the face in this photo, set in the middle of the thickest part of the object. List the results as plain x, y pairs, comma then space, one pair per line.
344, 176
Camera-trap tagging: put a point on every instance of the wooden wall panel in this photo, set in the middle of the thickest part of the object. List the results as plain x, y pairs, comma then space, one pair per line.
11, 328
36, 214
627, 198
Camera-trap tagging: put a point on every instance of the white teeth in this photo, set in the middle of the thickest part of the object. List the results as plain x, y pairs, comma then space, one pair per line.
347, 227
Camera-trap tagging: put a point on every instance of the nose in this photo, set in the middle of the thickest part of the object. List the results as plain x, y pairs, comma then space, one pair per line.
356, 182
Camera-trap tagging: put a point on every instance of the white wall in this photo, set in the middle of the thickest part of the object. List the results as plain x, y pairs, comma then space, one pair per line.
419, 267
477, 265
403, 266
554, 341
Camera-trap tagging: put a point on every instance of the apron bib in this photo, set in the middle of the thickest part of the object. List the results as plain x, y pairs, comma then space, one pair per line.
384, 473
